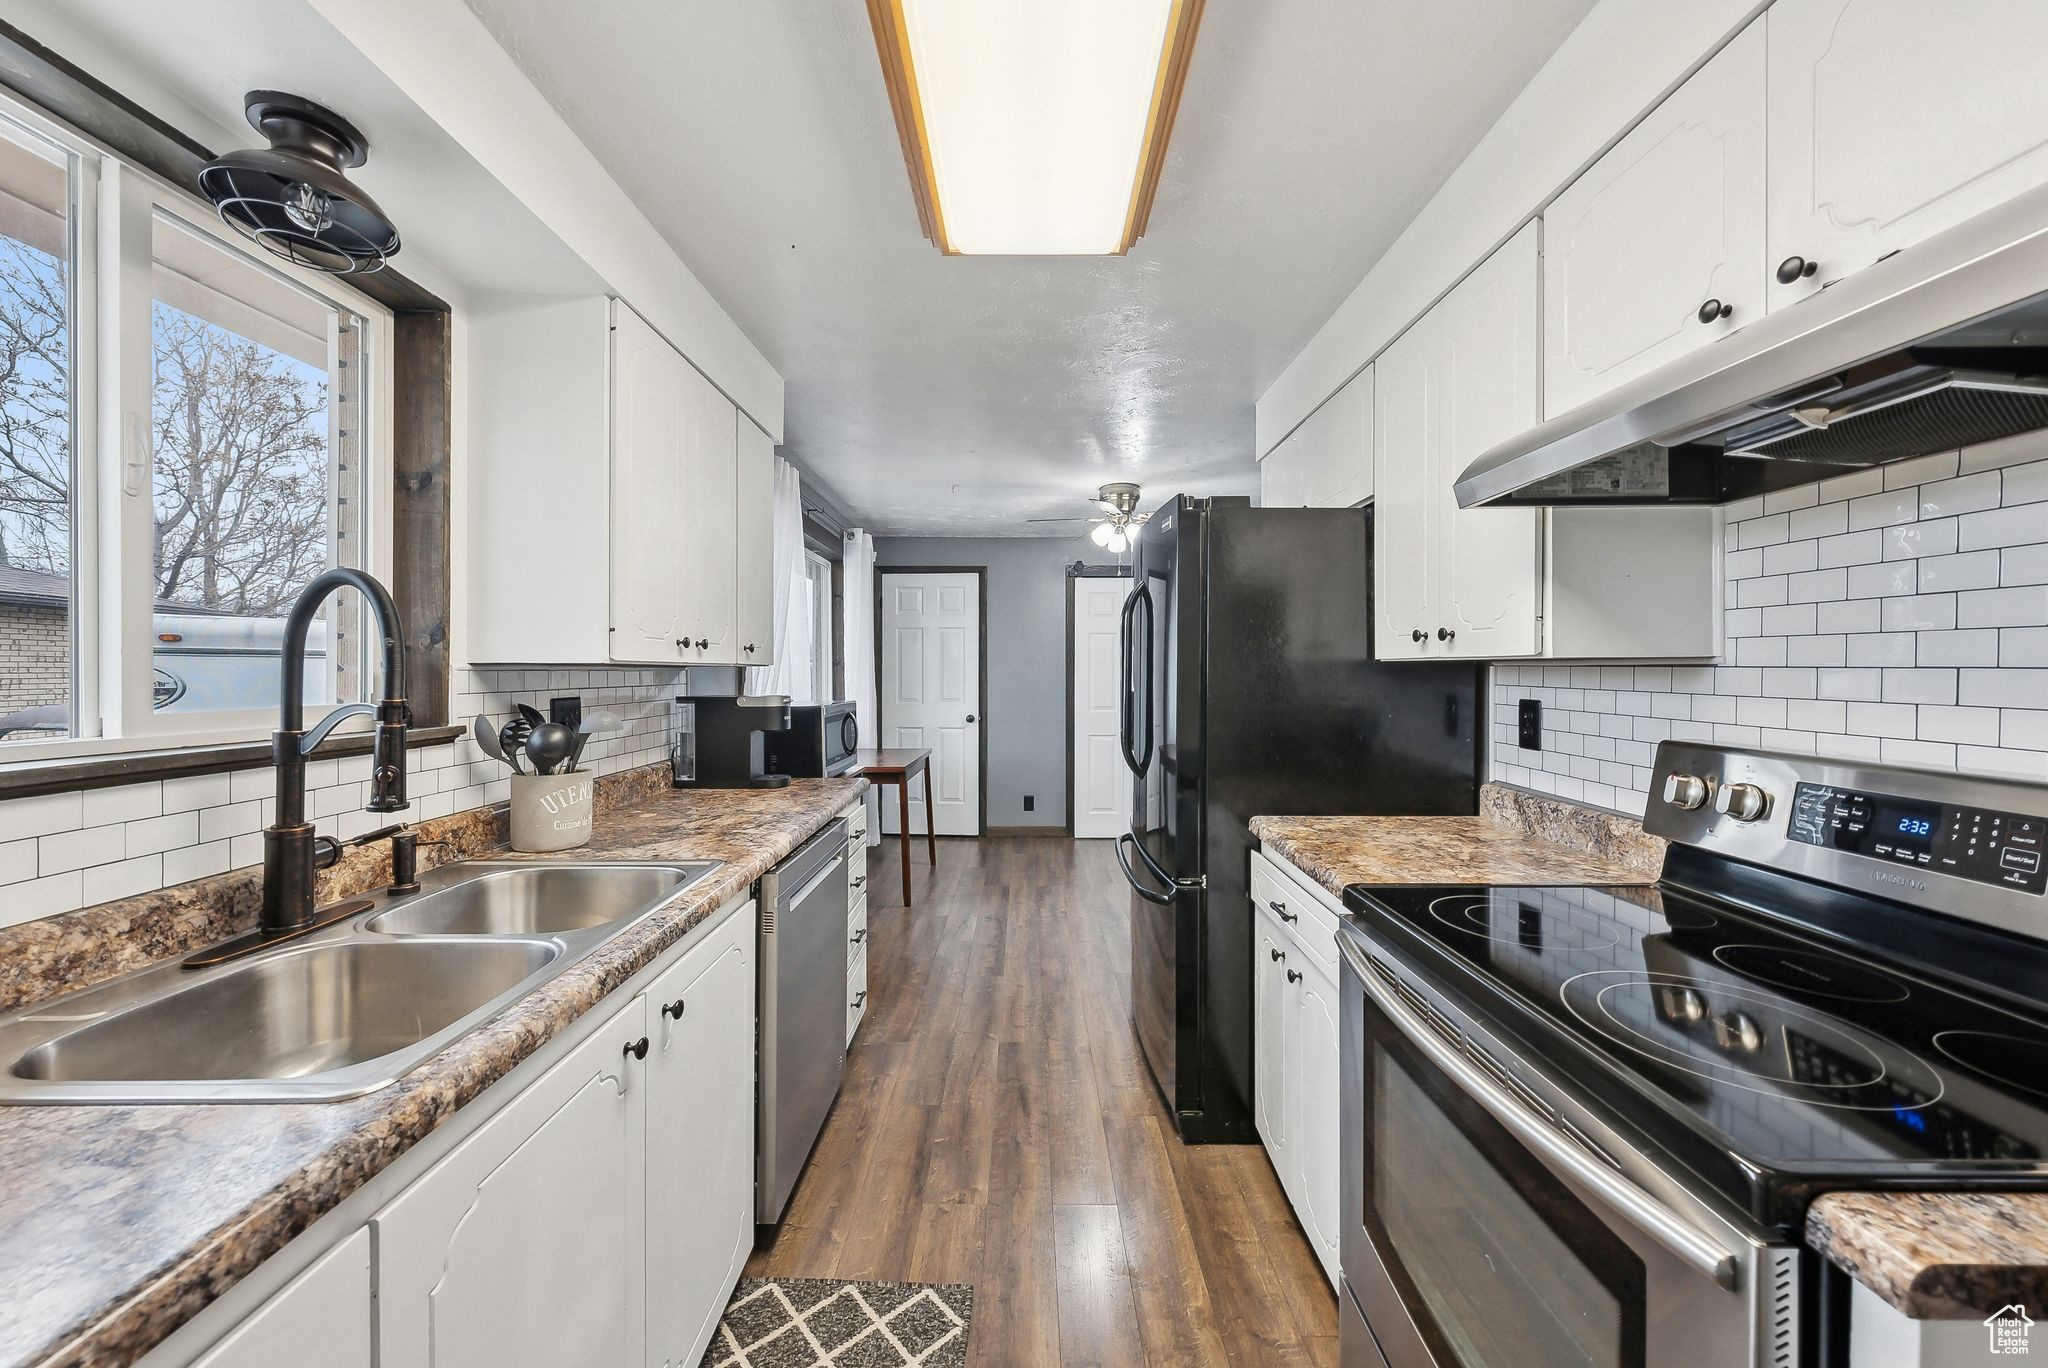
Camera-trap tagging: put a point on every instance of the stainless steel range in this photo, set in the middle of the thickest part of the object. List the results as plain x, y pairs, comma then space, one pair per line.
1582, 1124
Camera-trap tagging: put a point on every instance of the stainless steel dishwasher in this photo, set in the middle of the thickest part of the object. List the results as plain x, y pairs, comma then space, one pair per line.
803, 1011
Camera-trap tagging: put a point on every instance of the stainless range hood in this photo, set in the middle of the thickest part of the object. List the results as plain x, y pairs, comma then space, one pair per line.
1939, 346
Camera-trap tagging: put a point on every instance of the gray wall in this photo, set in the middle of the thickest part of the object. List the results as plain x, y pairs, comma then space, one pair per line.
1027, 661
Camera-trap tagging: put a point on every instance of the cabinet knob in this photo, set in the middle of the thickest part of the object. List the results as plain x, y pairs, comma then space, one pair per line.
1280, 911
859, 880
1278, 955
1445, 634
638, 1049
1794, 268
860, 997
703, 643
748, 648
860, 935
1294, 975
1418, 635
1713, 311
673, 1009
682, 643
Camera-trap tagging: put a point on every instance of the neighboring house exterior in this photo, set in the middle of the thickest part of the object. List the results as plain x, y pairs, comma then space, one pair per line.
35, 639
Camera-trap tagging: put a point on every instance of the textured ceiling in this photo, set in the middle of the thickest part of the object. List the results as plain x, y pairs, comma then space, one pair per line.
966, 395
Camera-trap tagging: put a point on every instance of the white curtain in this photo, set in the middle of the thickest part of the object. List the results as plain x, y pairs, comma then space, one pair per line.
857, 593
791, 672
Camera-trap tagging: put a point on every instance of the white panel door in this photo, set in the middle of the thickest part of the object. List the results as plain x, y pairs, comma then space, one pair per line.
754, 532
1890, 120
1338, 472
1488, 558
1405, 418
648, 560
1316, 1147
1282, 482
1102, 789
1659, 247
320, 1319
707, 529
931, 692
700, 1139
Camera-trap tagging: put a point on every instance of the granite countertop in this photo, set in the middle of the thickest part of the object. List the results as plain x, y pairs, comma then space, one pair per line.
1938, 1255
1517, 838
119, 1224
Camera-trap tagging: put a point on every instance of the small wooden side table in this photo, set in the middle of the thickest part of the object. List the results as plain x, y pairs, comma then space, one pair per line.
896, 767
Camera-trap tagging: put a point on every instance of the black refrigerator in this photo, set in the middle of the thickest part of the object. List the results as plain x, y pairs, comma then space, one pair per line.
1250, 688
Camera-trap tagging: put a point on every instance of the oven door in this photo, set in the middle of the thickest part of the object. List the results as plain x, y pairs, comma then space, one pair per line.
1477, 1234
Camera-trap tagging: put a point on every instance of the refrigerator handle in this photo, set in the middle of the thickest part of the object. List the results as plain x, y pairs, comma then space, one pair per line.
1151, 895
1133, 686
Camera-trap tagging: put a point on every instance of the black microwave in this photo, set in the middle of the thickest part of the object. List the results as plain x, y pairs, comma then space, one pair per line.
821, 740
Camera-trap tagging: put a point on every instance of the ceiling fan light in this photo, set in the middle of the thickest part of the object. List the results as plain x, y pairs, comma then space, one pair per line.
1119, 540
1103, 534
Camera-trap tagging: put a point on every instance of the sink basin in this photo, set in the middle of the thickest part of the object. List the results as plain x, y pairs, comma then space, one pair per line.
351, 1008
538, 900
294, 1014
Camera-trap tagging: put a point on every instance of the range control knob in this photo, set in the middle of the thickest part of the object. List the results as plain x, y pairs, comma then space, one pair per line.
1687, 791
1739, 1031
1692, 1006
1743, 802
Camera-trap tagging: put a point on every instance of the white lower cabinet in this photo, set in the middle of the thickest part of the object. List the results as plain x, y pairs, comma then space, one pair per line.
321, 1319
602, 1217
1294, 1069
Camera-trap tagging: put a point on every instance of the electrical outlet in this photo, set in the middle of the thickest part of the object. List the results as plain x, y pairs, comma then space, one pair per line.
567, 711
1530, 725
1030, 802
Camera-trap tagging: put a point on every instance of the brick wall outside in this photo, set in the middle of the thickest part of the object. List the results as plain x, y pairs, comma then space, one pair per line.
35, 656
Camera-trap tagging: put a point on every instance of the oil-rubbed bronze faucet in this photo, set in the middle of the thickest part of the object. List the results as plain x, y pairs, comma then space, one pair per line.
289, 842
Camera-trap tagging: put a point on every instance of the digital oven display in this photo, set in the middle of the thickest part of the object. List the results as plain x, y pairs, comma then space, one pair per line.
1907, 826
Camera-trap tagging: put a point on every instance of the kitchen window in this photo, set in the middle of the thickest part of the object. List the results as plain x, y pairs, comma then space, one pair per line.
190, 432
818, 596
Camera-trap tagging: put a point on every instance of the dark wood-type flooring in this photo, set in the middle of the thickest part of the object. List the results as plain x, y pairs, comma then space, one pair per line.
998, 1127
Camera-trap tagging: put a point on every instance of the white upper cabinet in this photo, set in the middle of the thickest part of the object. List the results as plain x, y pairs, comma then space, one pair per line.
1488, 558
1893, 119
614, 517
755, 528
1405, 422
650, 431
1658, 247
1327, 461
705, 524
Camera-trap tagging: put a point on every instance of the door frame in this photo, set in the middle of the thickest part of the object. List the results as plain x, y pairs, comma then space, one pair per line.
1080, 570
980, 573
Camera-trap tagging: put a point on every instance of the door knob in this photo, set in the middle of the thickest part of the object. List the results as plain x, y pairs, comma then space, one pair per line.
1418, 635
970, 717
1794, 268
1445, 634
1714, 311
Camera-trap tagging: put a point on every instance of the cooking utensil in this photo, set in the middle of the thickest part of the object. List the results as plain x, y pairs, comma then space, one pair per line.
512, 737
487, 737
601, 720
549, 746
531, 714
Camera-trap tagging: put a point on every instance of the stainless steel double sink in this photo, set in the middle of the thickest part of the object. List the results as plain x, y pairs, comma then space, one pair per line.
343, 1012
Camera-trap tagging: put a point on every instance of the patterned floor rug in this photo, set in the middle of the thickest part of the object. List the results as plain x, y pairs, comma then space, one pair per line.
821, 1323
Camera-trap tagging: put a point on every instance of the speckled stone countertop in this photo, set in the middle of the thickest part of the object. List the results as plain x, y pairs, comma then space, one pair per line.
119, 1224
1938, 1255
1517, 837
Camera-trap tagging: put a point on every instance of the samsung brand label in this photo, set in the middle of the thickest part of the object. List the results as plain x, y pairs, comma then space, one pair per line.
1886, 876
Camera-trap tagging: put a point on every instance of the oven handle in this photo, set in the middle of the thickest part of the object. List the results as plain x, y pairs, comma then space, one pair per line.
1698, 1250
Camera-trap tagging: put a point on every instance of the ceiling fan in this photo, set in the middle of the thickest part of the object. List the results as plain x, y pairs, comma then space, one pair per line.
1118, 527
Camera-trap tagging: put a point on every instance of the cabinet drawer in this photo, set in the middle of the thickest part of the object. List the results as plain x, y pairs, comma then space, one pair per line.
856, 993
1308, 915
856, 823
857, 929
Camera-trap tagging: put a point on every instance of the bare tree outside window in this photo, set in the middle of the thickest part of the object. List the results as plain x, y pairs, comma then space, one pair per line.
35, 411
241, 470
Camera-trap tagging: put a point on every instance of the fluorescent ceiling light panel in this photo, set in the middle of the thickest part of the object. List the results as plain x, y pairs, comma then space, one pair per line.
1034, 127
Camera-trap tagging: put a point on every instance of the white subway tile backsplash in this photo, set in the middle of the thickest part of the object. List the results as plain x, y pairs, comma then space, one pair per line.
63, 851
1899, 615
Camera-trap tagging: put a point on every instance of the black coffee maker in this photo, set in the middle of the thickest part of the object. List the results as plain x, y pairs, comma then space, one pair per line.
718, 741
